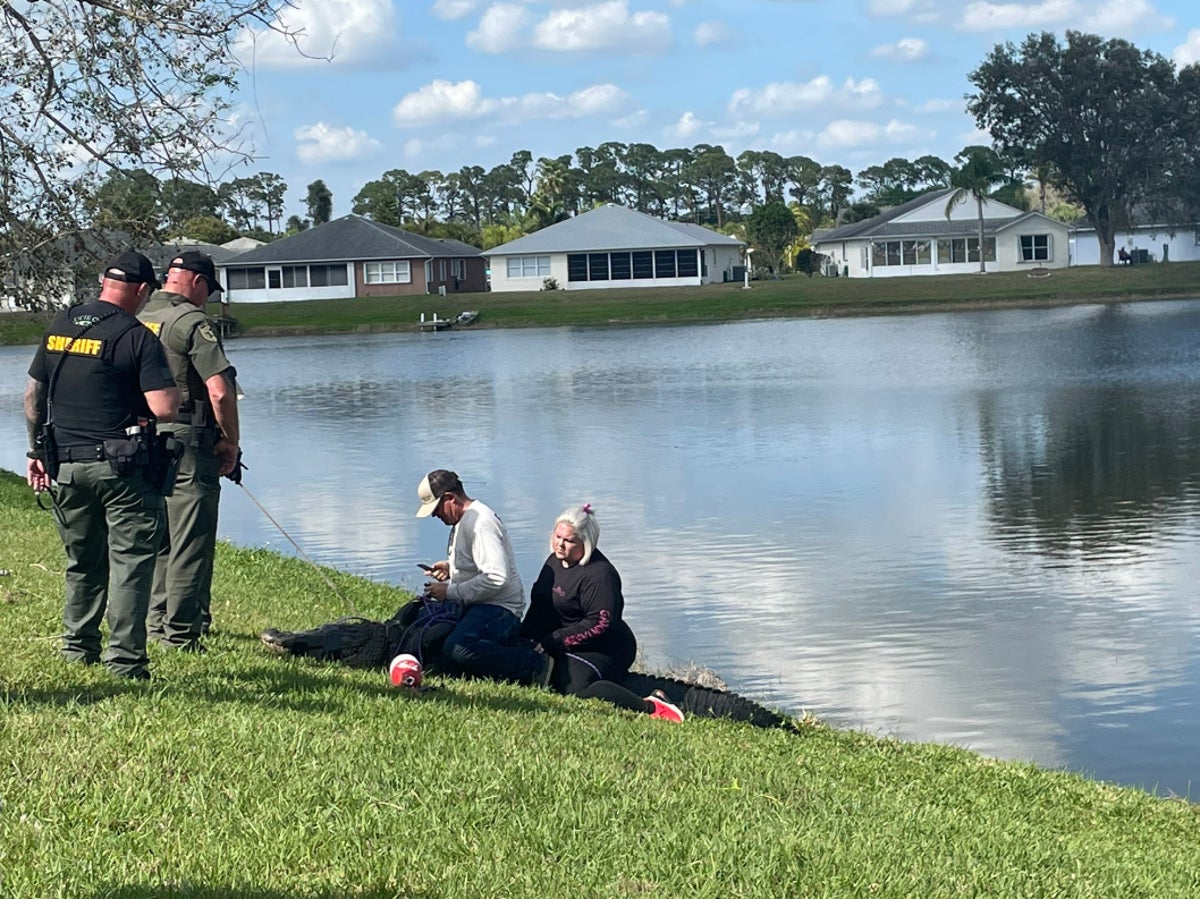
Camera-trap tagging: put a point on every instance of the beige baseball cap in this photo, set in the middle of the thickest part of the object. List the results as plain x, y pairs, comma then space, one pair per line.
431, 488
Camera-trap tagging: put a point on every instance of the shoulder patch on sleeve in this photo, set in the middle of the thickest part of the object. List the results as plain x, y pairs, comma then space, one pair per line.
205, 330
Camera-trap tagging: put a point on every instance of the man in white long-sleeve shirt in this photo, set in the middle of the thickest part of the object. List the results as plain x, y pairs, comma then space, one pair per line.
480, 575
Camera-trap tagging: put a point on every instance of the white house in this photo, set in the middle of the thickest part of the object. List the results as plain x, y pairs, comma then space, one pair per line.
612, 246
1148, 243
917, 238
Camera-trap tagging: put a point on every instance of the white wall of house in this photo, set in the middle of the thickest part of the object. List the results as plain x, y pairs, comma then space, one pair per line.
966, 211
274, 274
855, 257
535, 268
722, 261
1181, 246
541, 267
267, 295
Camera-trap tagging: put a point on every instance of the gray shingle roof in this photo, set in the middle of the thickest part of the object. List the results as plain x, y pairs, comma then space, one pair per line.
161, 254
352, 238
613, 228
873, 227
885, 226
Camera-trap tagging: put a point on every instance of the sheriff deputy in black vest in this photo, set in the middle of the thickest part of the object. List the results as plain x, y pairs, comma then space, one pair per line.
97, 382
207, 425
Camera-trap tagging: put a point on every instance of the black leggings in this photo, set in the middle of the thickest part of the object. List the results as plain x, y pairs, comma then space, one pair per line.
593, 675
617, 695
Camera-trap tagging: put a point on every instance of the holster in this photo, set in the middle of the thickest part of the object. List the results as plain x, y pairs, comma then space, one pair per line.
204, 427
165, 452
126, 455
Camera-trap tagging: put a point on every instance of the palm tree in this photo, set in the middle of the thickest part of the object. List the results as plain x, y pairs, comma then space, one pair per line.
979, 169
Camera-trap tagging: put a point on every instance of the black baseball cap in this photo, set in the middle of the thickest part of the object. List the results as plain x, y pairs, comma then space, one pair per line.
132, 268
201, 264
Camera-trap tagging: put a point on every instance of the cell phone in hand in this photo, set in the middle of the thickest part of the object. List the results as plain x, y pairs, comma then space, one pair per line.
428, 569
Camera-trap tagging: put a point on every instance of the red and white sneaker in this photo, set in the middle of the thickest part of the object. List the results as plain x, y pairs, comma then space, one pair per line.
663, 709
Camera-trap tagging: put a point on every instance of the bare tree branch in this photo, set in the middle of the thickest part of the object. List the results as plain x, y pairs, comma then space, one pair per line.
92, 89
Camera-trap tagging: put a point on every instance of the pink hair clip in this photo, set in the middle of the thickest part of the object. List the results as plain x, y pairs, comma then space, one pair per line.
587, 508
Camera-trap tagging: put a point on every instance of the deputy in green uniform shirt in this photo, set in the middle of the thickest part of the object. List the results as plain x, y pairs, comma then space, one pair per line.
207, 425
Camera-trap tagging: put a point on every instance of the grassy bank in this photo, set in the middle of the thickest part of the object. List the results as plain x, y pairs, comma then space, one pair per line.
240, 774
793, 296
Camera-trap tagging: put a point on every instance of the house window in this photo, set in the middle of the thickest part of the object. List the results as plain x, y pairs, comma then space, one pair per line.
577, 267
951, 251
989, 249
915, 252
900, 252
597, 266
1035, 248
273, 278
295, 275
622, 269
688, 264
528, 266
664, 263
643, 265
961, 249
247, 278
327, 275
397, 272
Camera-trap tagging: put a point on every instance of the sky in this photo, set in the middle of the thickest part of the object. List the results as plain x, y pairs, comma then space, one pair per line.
442, 84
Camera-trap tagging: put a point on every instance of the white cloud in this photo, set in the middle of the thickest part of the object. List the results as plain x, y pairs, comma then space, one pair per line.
907, 49
1189, 51
441, 101
849, 133
324, 143
337, 32
786, 98
687, 127
984, 16
597, 100
504, 27
715, 34
509, 27
1121, 17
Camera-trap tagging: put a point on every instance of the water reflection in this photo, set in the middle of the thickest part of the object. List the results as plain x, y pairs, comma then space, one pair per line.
977, 528
1095, 470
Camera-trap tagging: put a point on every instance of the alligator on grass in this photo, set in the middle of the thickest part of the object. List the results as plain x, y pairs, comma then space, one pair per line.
420, 629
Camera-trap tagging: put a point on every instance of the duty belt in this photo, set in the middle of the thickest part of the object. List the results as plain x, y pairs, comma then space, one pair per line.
92, 453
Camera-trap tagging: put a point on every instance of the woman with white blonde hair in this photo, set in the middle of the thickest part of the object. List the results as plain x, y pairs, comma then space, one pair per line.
576, 619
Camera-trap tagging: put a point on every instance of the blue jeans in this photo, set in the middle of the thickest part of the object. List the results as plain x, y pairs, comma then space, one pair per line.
486, 643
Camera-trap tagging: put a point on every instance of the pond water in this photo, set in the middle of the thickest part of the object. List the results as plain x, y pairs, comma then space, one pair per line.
977, 528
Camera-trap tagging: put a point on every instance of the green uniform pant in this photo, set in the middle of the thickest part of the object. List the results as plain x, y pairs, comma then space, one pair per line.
110, 527
180, 606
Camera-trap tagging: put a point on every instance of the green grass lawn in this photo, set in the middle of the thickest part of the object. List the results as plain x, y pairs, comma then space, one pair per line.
238, 773
792, 296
